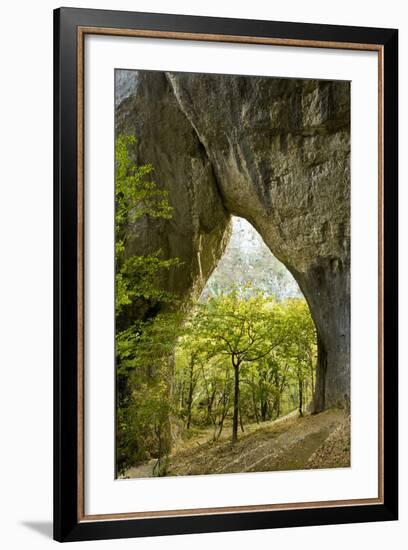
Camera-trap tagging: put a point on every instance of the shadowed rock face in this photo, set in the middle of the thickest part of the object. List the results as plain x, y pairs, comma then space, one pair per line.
199, 229
273, 151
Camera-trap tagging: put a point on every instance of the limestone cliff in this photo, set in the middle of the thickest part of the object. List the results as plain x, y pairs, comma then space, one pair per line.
274, 151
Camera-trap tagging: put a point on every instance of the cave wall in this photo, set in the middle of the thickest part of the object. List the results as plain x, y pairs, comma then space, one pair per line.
200, 226
274, 151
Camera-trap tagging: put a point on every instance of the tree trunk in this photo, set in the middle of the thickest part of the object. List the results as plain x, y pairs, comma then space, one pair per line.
300, 397
264, 410
210, 403
277, 401
182, 394
312, 376
190, 396
221, 421
241, 423
277, 405
236, 404
255, 405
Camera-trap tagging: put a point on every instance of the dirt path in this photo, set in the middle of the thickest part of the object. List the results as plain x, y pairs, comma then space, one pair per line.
290, 443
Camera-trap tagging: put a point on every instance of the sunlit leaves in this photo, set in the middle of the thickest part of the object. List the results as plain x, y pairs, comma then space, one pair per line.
136, 195
272, 343
142, 347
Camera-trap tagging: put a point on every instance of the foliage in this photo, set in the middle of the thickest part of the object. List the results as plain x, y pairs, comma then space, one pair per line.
143, 405
136, 196
244, 357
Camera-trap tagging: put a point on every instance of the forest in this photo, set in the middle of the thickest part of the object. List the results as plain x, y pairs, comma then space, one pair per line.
223, 380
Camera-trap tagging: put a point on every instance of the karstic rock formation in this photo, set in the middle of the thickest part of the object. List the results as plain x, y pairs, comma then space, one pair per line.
274, 151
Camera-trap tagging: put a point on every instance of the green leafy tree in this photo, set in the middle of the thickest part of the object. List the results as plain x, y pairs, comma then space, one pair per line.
137, 196
269, 346
244, 330
146, 359
300, 349
143, 402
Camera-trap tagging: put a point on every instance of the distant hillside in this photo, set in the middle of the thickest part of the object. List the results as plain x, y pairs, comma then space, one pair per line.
247, 260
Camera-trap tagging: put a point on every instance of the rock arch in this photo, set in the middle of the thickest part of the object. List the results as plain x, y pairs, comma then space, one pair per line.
274, 151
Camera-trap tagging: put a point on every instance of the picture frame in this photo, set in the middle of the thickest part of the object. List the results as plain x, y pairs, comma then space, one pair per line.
71, 26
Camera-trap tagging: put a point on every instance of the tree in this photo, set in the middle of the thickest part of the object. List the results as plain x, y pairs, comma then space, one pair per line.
301, 345
188, 361
203, 383
142, 383
146, 358
136, 196
245, 331
271, 347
